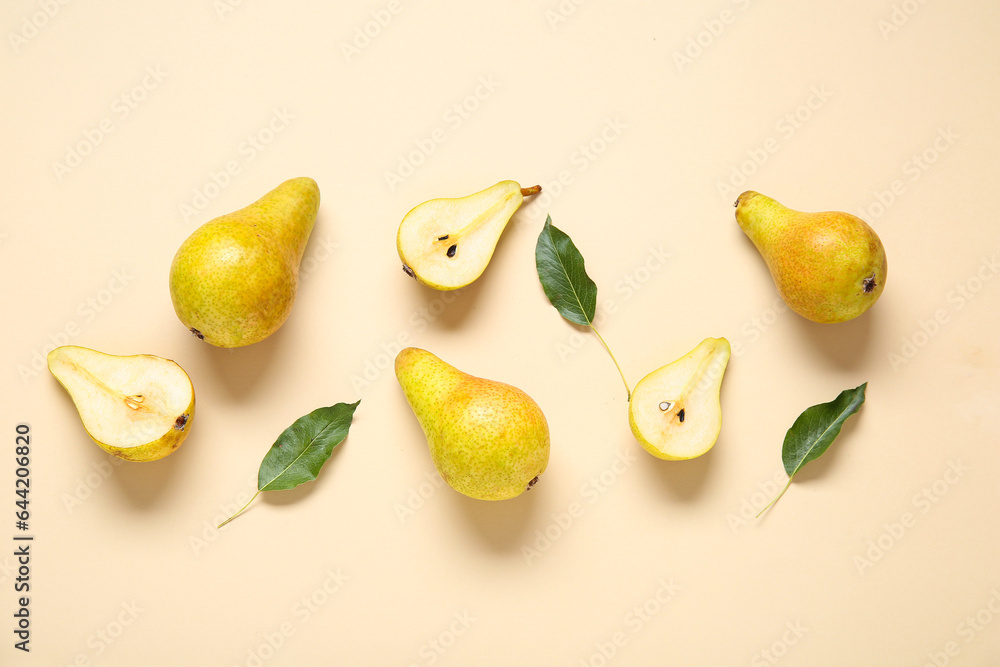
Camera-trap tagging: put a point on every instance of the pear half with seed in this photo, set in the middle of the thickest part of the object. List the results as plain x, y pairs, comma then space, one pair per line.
674, 411
139, 407
447, 243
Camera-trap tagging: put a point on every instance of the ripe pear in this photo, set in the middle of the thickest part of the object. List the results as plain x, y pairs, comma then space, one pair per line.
487, 439
674, 411
828, 267
139, 407
447, 243
234, 279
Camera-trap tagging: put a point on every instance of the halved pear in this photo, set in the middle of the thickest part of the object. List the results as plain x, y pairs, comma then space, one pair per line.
447, 243
674, 411
138, 407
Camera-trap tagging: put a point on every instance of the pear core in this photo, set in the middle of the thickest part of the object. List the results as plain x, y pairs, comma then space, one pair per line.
139, 407
674, 411
448, 243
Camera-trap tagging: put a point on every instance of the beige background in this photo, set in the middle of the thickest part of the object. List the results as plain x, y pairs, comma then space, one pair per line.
887, 109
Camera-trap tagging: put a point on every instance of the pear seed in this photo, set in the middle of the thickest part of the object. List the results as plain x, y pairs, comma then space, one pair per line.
452, 250
680, 415
666, 405
443, 238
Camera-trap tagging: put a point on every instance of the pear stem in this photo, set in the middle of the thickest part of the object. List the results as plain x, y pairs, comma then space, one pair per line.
628, 391
239, 511
768, 506
533, 190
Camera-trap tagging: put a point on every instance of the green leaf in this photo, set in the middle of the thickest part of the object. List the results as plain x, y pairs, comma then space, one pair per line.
816, 428
563, 276
814, 431
302, 449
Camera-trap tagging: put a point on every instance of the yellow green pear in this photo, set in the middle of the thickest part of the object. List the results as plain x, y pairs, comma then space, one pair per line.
675, 411
233, 281
488, 440
828, 267
447, 243
138, 407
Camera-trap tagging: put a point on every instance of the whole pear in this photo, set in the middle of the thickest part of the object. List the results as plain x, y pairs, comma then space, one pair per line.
233, 281
828, 267
488, 440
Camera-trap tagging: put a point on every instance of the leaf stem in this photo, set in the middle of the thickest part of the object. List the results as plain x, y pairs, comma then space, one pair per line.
768, 506
239, 511
628, 391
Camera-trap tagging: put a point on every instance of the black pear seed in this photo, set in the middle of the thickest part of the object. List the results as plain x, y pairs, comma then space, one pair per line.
443, 238
452, 250
680, 415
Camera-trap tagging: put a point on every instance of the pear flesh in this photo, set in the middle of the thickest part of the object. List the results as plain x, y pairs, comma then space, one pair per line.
828, 267
674, 411
233, 281
447, 243
139, 407
488, 440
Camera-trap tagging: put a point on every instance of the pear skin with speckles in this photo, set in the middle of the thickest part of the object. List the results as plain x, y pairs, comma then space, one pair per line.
488, 440
233, 281
828, 267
